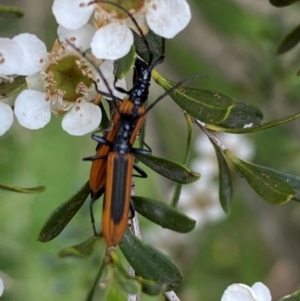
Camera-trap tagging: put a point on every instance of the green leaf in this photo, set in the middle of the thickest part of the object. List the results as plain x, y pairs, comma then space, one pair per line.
163, 215
149, 263
178, 186
155, 42
83, 250
151, 287
115, 293
207, 106
11, 12
169, 169
225, 183
282, 3
129, 284
293, 297
265, 182
148, 286
241, 115
290, 41
125, 64
91, 293
289, 178
189, 144
37, 189
63, 214
7, 89
255, 128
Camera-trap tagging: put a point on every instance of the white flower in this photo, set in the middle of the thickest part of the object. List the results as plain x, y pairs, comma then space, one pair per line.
6, 118
32, 109
1, 287
112, 41
168, 17
113, 38
64, 81
72, 14
80, 38
11, 57
25, 54
242, 292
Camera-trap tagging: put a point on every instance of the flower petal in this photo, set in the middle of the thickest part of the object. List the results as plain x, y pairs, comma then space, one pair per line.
140, 19
238, 292
261, 291
168, 17
11, 57
112, 41
32, 110
107, 69
35, 53
1, 287
35, 82
81, 37
72, 14
6, 120
83, 118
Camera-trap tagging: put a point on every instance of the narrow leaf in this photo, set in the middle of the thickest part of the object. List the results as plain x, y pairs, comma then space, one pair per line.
83, 250
178, 186
290, 41
207, 106
156, 44
130, 285
148, 286
225, 183
149, 263
289, 178
169, 169
189, 141
126, 281
243, 115
63, 214
151, 287
255, 128
7, 89
266, 183
282, 3
293, 297
11, 12
125, 64
22, 189
163, 215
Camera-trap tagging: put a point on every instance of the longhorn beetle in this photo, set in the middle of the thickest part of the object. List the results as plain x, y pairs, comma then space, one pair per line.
112, 166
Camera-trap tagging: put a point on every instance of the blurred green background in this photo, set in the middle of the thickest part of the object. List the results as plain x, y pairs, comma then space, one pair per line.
234, 43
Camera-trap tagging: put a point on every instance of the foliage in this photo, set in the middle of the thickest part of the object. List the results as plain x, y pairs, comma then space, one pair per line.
212, 112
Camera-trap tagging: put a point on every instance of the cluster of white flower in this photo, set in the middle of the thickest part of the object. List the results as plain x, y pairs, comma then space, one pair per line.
62, 80
113, 38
